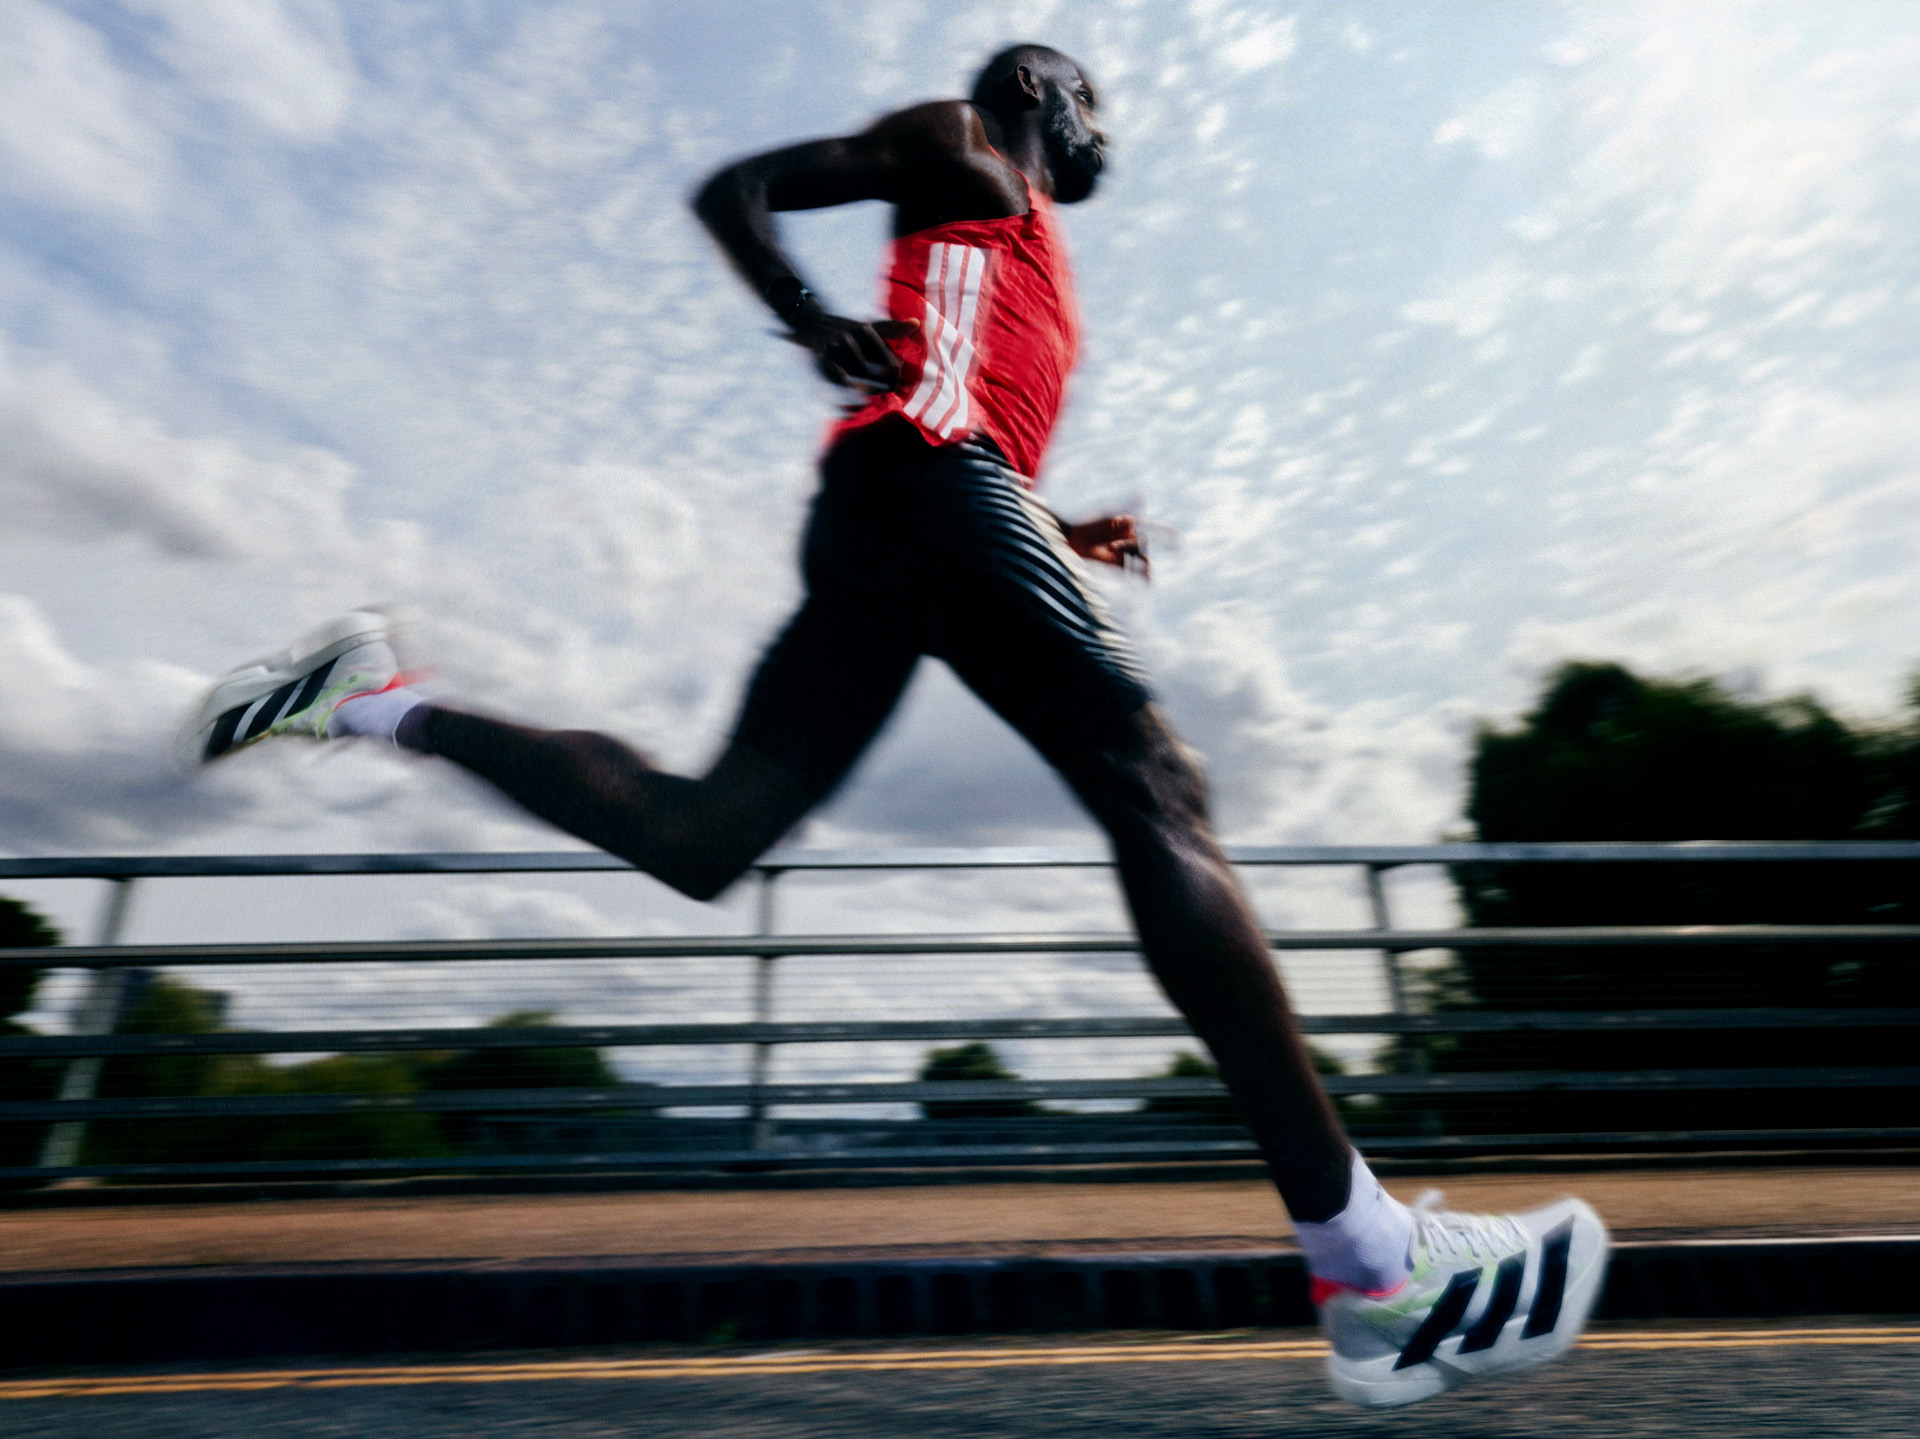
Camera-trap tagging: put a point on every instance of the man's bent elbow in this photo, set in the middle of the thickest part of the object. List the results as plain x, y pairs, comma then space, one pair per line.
704, 878
723, 193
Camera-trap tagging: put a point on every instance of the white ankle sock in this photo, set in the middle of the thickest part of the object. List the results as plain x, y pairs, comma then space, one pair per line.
1367, 1245
376, 716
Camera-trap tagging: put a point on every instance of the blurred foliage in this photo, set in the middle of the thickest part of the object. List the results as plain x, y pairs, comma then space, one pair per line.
1220, 1109
471, 1069
1187, 1065
1610, 755
974, 1062
518, 1068
22, 1079
21, 928
166, 1005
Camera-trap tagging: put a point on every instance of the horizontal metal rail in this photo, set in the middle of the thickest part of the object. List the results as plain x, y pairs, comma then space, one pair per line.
954, 1155
635, 1036
701, 1096
613, 1097
785, 861
787, 946
583, 1036
626, 1161
84, 1052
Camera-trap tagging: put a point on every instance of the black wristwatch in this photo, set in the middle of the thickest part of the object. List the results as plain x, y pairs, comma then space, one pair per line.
790, 300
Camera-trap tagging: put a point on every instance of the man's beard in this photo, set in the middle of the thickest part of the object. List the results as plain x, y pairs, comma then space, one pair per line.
1071, 154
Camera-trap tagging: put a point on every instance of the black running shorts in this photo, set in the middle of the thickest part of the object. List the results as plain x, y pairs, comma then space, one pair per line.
916, 550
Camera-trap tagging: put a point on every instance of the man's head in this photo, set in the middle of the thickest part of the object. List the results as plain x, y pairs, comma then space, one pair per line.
1032, 86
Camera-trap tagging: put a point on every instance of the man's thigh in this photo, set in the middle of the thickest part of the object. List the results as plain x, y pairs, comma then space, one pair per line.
1019, 621
825, 687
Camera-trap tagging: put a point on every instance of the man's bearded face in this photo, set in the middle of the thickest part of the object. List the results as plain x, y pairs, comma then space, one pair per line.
1073, 154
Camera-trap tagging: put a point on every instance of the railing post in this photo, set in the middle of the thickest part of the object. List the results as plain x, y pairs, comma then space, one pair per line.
1383, 921
1411, 1059
760, 1125
98, 1013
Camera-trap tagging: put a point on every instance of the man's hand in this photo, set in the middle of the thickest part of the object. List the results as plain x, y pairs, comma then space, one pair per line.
1113, 540
853, 353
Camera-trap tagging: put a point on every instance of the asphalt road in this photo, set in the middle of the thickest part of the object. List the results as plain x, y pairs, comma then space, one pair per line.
1833, 1379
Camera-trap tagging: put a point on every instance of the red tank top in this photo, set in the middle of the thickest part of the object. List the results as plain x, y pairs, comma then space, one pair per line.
998, 334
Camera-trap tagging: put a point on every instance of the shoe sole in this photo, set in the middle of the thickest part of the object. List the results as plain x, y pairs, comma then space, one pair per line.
1438, 1375
251, 683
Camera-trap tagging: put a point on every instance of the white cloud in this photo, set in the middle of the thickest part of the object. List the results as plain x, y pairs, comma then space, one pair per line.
1258, 46
73, 129
291, 77
1473, 306
1499, 126
1751, 155
85, 759
1585, 365
488, 366
76, 464
1783, 524
1286, 768
503, 911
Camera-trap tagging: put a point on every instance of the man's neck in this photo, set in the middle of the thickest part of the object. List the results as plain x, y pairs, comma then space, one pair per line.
1020, 146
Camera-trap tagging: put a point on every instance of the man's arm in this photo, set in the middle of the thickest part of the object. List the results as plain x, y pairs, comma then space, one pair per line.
936, 151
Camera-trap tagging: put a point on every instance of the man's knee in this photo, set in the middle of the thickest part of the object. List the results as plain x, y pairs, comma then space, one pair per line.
697, 876
705, 833
1148, 776
609, 766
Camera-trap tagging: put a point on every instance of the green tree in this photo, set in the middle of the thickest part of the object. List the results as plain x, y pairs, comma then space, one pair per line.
22, 1079
167, 1005
21, 928
1610, 755
481, 1069
974, 1062
547, 1068
377, 1134
1221, 1108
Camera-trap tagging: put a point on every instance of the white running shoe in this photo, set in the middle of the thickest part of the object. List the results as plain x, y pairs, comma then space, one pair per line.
296, 692
1490, 1294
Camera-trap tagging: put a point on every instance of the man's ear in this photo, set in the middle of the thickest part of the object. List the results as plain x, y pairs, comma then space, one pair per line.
1030, 86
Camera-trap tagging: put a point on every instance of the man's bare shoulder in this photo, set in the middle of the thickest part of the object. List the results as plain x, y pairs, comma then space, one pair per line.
946, 166
949, 129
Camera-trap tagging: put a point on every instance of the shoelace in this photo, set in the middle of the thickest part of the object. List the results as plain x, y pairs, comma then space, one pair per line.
1442, 1231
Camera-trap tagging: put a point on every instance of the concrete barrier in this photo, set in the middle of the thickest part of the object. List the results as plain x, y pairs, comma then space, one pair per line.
280, 1311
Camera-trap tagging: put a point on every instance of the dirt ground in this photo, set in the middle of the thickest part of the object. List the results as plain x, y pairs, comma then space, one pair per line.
986, 1218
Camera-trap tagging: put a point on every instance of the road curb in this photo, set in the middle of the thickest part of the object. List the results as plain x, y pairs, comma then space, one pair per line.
280, 1311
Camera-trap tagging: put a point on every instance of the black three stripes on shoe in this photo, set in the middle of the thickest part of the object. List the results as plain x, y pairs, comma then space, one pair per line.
221, 738
1553, 1283
1446, 1313
1506, 1293
290, 698
1452, 1305
269, 710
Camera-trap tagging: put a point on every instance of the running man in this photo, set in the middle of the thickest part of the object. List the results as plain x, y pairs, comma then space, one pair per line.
926, 539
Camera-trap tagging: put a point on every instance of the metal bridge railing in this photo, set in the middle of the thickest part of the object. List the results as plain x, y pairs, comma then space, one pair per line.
95, 1038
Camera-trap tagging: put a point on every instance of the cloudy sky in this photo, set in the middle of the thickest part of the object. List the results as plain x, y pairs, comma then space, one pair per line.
1452, 343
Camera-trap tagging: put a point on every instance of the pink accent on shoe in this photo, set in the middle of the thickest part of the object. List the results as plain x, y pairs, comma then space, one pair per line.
399, 682
1324, 1289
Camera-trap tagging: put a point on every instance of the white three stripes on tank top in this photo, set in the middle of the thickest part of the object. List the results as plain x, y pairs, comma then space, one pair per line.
939, 402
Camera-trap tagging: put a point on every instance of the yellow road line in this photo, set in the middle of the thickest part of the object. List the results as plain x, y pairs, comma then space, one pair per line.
873, 1361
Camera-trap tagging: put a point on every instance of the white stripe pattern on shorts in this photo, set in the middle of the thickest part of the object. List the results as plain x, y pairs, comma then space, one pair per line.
954, 276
